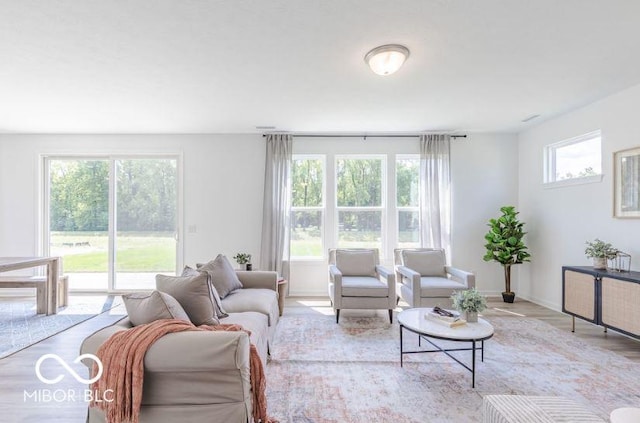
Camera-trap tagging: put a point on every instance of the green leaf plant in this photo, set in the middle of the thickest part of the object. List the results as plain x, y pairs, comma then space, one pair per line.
505, 242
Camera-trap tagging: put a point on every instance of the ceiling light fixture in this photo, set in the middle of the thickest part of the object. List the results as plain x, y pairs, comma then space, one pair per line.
387, 59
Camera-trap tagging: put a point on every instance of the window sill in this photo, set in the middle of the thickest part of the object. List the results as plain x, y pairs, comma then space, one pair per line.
305, 260
573, 181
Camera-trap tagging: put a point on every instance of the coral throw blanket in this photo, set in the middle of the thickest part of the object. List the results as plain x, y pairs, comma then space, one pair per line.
122, 357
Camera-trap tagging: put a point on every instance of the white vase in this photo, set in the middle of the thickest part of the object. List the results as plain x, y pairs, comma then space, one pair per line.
599, 263
471, 316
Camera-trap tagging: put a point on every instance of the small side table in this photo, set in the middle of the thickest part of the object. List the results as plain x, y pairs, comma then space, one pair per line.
282, 292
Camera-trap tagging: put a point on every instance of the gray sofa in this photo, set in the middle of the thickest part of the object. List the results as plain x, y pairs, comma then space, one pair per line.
204, 376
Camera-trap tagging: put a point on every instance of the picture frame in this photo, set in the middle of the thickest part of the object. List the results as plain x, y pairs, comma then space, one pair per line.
626, 201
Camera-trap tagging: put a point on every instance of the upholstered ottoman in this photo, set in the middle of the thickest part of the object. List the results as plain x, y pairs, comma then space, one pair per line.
533, 409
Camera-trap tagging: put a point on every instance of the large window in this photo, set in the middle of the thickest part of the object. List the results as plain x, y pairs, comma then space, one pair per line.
112, 220
307, 211
360, 201
407, 201
354, 201
575, 160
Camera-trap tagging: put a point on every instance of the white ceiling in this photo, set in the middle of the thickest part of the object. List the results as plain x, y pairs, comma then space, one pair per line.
227, 66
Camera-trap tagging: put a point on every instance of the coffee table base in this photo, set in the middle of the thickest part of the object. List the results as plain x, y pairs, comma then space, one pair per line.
473, 348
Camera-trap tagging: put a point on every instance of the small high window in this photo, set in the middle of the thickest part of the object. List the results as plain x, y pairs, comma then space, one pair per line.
576, 160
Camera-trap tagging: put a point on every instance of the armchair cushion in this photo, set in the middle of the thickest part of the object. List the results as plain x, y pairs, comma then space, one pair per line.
357, 262
147, 307
194, 295
223, 277
426, 262
364, 286
434, 286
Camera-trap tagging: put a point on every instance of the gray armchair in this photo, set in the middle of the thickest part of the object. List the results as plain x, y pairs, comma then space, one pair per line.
357, 281
424, 279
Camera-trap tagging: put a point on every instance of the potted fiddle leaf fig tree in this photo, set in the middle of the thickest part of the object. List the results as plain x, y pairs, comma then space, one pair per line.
506, 246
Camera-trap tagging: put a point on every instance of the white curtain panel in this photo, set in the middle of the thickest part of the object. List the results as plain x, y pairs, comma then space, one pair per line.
274, 252
435, 192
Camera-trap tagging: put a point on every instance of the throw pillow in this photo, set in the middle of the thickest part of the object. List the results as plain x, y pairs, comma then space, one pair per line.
147, 307
194, 295
357, 262
427, 263
190, 271
223, 277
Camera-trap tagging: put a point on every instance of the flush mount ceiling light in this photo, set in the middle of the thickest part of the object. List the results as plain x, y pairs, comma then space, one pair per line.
387, 59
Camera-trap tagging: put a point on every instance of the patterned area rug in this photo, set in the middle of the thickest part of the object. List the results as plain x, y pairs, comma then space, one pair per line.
21, 327
323, 372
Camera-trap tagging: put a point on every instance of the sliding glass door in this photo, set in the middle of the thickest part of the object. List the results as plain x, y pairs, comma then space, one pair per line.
114, 220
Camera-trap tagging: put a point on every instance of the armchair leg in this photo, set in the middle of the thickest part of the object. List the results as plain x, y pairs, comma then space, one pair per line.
337, 315
390, 316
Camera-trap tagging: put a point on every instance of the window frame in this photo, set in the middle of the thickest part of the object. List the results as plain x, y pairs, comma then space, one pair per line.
550, 165
322, 208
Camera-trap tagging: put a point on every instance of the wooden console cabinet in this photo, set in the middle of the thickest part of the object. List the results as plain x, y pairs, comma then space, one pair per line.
609, 299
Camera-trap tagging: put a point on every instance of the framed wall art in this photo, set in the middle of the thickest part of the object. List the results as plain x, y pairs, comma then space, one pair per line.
626, 165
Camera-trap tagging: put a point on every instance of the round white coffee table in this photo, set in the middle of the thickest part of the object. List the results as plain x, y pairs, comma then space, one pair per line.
625, 415
414, 320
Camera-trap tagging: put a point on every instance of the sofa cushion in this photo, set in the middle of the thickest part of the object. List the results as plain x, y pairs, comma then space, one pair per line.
363, 286
147, 307
264, 301
194, 293
427, 263
220, 313
223, 277
356, 262
433, 286
256, 323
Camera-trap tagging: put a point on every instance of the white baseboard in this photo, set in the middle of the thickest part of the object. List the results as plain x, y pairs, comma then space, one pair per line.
543, 303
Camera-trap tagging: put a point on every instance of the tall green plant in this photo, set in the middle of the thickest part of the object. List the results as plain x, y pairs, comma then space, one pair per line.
504, 242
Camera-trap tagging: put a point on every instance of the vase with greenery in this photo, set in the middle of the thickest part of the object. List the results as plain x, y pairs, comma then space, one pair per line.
506, 246
243, 260
600, 252
471, 302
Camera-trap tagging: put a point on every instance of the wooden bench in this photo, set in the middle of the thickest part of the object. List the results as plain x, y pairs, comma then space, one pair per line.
39, 282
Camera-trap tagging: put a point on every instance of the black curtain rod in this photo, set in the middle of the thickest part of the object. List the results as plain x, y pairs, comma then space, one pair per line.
365, 136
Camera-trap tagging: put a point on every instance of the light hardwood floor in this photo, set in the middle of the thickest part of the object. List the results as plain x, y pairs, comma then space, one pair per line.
17, 373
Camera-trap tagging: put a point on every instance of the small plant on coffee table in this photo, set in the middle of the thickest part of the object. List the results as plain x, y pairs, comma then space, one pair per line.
469, 301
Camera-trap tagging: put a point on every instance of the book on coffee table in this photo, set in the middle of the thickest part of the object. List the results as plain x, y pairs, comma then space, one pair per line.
450, 321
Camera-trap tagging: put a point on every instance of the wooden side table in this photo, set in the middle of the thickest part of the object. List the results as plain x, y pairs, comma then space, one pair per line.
282, 292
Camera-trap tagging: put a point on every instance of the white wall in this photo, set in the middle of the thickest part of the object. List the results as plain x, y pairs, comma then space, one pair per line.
223, 178
561, 220
223, 188
484, 178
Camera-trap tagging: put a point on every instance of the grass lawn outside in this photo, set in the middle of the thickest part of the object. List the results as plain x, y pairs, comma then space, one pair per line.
135, 251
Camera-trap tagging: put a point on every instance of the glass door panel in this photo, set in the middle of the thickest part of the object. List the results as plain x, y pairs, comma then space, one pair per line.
79, 220
145, 221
